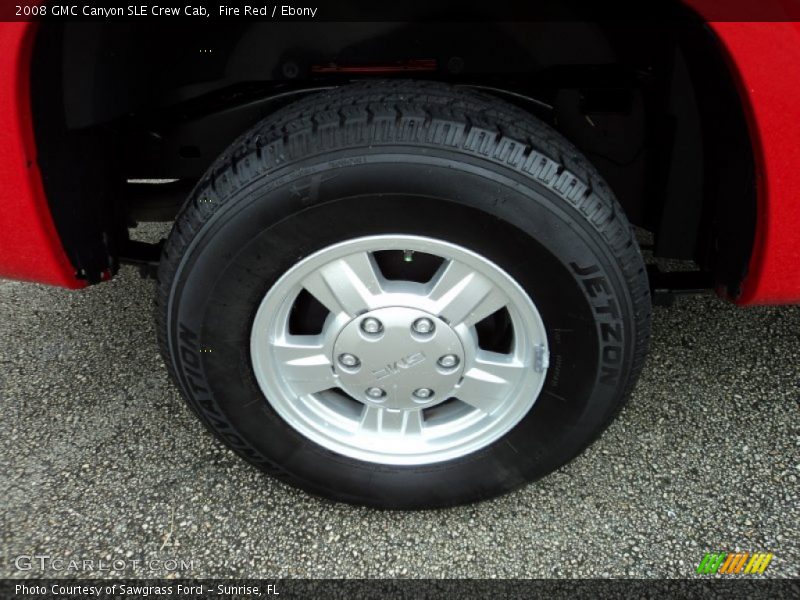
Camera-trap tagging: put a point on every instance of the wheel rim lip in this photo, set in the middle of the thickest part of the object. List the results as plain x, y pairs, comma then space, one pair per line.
271, 322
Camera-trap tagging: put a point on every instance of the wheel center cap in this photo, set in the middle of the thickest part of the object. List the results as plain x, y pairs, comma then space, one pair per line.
398, 358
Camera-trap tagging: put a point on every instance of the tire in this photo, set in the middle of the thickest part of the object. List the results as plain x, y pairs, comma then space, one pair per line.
394, 163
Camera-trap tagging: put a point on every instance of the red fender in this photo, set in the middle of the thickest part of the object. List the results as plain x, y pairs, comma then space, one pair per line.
30, 247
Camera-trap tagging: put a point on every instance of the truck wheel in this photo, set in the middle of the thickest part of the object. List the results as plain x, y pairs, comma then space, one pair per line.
404, 295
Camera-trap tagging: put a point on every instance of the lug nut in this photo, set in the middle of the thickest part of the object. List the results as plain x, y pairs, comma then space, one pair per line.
371, 325
423, 326
349, 360
423, 393
448, 361
375, 393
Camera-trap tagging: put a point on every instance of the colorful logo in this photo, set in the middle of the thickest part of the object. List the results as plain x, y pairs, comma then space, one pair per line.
734, 563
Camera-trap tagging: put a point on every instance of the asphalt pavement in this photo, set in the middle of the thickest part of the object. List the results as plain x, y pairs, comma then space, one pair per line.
102, 461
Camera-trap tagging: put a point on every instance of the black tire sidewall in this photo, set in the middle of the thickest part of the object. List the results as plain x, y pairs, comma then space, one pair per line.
540, 239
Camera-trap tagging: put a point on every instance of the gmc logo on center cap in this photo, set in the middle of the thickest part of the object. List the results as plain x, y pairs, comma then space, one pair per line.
398, 365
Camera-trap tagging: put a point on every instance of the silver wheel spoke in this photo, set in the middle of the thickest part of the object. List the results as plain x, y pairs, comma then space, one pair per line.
347, 285
379, 420
462, 295
304, 364
489, 381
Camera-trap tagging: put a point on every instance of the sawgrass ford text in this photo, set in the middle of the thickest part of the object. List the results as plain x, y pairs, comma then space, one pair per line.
77, 10
144, 590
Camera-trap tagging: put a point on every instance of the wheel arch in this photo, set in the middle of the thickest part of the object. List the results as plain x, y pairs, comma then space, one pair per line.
113, 104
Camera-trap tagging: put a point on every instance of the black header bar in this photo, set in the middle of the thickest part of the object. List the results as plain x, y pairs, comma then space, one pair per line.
400, 10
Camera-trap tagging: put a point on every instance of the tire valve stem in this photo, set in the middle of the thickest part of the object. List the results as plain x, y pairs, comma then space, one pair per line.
408, 255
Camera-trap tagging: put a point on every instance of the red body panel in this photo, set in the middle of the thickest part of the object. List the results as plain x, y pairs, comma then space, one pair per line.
30, 248
764, 58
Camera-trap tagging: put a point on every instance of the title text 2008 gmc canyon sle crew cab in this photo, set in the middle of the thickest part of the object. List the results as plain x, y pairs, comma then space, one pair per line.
402, 270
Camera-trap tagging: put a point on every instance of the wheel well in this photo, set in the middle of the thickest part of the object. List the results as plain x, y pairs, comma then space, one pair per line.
651, 104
